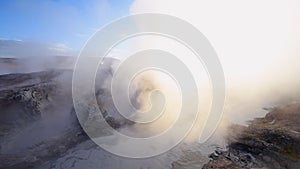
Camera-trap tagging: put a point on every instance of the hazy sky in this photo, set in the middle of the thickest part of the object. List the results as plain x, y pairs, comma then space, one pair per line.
68, 22
240, 30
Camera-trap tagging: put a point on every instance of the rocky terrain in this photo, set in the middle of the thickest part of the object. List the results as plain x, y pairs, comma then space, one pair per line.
39, 129
271, 142
38, 122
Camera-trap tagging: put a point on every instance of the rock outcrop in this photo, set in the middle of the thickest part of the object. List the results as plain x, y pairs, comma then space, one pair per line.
270, 142
38, 122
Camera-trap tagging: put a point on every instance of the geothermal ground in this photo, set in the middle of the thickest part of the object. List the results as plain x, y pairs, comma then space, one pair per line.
39, 129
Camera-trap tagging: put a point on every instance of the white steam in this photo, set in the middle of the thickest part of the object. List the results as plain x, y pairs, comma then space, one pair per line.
256, 42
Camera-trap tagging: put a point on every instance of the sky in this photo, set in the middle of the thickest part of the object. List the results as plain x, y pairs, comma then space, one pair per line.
67, 24
247, 35
59, 23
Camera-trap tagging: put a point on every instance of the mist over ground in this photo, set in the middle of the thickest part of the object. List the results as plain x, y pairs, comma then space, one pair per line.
257, 43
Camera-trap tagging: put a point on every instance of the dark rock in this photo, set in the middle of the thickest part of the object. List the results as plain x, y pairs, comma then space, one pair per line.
38, 122
270, 142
